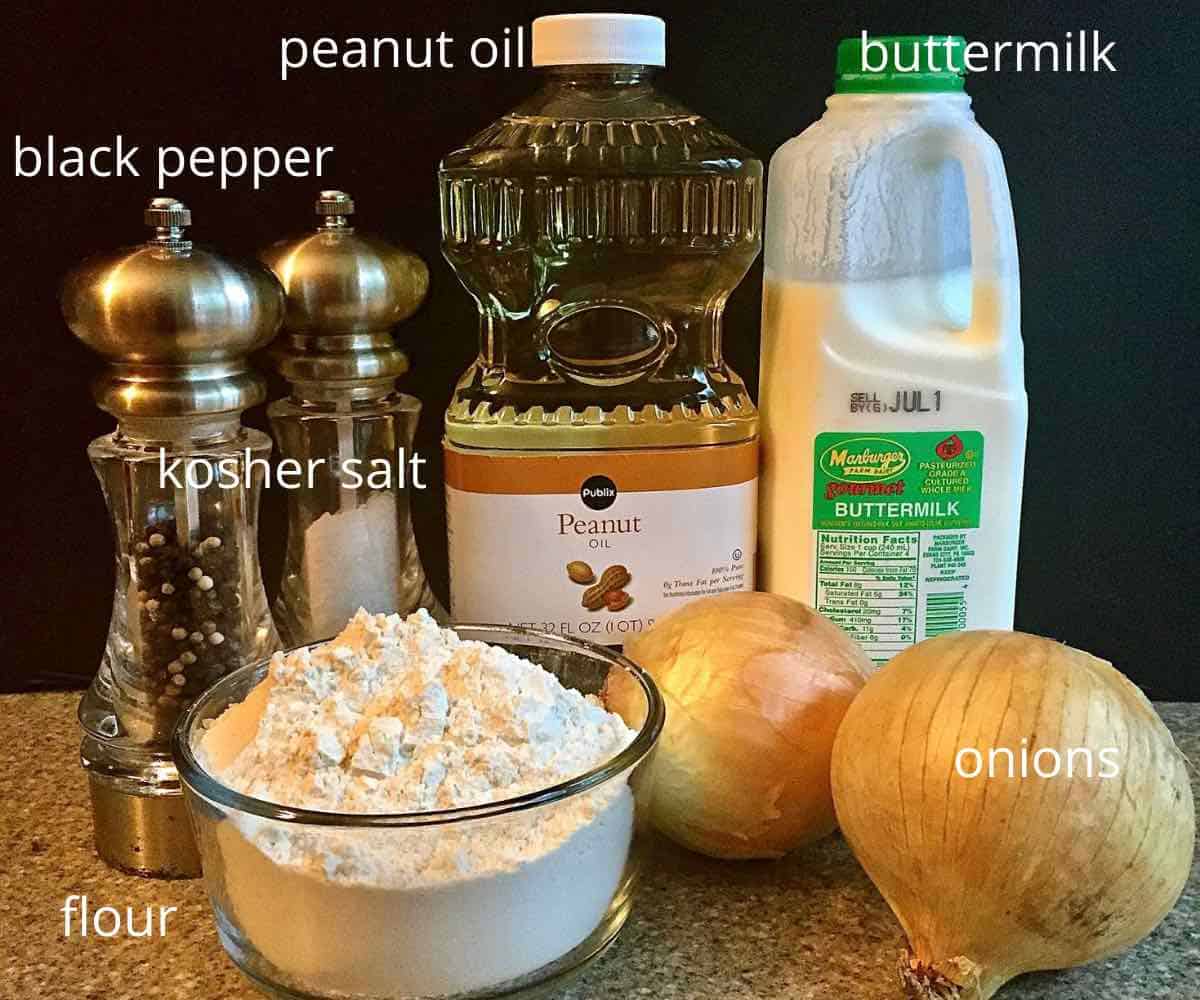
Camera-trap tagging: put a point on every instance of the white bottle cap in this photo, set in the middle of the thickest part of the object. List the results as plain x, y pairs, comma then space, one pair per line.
570, 39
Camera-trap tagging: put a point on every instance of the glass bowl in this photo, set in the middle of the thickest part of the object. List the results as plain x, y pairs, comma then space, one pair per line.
299, 931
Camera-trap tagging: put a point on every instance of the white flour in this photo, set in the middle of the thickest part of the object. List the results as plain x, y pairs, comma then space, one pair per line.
400, 715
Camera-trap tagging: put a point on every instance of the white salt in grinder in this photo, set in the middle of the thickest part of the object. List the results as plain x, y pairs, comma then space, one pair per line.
350, 537
182, 478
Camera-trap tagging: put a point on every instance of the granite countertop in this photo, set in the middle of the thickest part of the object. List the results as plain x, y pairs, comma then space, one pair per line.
808, 927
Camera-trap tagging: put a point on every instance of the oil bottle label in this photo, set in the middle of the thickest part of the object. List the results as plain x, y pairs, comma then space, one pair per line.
896, 519
597, 544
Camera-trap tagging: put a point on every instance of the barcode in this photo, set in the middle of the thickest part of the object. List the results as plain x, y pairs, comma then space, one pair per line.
945, 613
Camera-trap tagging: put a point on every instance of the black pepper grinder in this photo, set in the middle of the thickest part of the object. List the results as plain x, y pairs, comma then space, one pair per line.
182, 478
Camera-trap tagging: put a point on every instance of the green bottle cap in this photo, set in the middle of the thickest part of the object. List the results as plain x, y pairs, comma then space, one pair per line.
900, 64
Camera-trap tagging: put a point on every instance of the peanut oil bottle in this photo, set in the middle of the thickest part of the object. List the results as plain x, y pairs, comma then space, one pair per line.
601, 457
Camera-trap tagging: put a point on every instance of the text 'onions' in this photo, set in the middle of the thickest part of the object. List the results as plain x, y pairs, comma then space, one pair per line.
756, 686
996, 866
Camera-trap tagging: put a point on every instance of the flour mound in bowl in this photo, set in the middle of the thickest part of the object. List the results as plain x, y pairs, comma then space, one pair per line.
399, 715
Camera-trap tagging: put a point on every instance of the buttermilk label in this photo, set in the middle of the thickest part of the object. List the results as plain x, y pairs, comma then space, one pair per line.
910, 481
895, 517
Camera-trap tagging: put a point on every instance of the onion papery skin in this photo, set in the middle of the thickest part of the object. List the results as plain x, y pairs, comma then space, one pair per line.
755, 686
991, 877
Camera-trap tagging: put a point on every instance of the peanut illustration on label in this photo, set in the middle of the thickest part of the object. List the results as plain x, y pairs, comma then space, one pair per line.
617, 600
612, 582
580, 572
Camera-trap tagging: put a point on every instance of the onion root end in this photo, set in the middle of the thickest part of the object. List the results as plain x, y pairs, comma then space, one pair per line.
957, 979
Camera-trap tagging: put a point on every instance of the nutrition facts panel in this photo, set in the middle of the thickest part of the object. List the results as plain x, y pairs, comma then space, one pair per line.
867, 582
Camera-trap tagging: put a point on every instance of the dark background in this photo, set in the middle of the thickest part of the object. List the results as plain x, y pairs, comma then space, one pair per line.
1102, 171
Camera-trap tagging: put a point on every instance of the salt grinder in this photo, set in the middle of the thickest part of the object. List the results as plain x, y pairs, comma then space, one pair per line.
350, 538
182, 478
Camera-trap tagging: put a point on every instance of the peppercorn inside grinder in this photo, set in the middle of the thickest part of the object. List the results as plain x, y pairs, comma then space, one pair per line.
350, 537
182, 478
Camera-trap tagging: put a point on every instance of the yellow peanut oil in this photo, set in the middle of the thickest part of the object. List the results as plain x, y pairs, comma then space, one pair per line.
600, 228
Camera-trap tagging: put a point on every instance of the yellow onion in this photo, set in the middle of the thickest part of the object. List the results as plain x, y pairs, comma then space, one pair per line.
996, 874
755, 687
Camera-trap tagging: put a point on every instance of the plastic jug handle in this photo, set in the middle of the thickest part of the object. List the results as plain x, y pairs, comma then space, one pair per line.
995, 290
